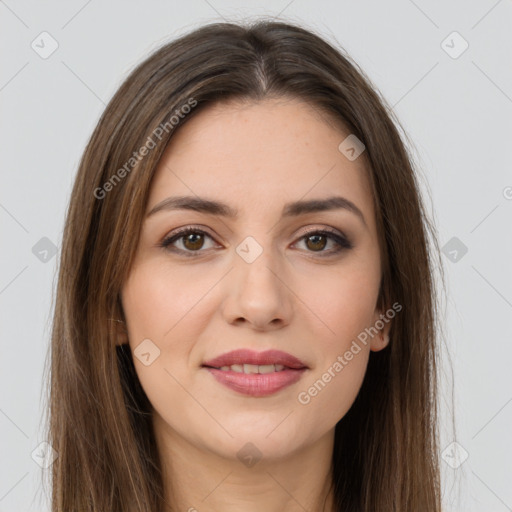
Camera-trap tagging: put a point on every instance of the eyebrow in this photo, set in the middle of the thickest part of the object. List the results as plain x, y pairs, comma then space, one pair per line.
293, 209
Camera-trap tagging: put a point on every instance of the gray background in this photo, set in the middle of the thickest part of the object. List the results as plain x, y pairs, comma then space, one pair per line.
456, 110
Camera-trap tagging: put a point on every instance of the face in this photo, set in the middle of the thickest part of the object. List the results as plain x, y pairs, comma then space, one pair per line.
257, 275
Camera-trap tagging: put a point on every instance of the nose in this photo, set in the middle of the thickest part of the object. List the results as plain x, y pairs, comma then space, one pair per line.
257, 294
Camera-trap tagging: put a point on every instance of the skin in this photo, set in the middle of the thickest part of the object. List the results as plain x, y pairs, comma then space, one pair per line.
255, 157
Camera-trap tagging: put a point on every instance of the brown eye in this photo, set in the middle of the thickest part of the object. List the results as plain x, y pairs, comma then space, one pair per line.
193, 241
316, 242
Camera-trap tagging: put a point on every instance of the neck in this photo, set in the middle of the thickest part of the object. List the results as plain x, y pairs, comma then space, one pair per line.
196, 479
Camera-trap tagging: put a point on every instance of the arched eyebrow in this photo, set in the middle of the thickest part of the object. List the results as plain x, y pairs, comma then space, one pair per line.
293, 209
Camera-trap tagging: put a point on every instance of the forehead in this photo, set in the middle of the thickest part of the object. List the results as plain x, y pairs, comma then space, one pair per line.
260, 154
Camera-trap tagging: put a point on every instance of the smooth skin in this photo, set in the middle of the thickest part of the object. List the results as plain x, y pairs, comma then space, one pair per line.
298, 295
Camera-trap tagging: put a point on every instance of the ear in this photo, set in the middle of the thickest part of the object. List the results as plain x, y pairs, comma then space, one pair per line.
383, 325
118, 331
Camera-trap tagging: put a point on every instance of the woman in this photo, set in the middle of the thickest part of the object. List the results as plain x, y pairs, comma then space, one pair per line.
245, 314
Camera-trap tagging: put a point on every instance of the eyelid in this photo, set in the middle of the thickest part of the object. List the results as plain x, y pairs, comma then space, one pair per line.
189, 227
323, 229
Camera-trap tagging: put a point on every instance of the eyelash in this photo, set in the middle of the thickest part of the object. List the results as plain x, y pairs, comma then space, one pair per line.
342, 242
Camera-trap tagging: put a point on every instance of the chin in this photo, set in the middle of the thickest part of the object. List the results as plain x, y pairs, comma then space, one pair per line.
271, 436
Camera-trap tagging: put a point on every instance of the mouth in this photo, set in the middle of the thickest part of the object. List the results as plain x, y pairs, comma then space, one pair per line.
251, 368
256, 373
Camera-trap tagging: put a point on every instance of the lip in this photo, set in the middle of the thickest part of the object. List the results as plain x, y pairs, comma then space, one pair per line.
255, 384
245, 356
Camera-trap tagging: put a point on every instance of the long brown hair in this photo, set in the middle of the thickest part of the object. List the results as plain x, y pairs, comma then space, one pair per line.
385, 451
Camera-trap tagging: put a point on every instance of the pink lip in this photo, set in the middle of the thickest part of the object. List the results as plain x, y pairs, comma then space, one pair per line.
255, 384
245, 356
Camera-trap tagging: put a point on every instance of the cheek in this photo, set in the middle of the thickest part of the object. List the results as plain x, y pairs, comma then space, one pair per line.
331, 391
342, 358
344, 302
158, 300
340, 302
161, 305
166, 306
